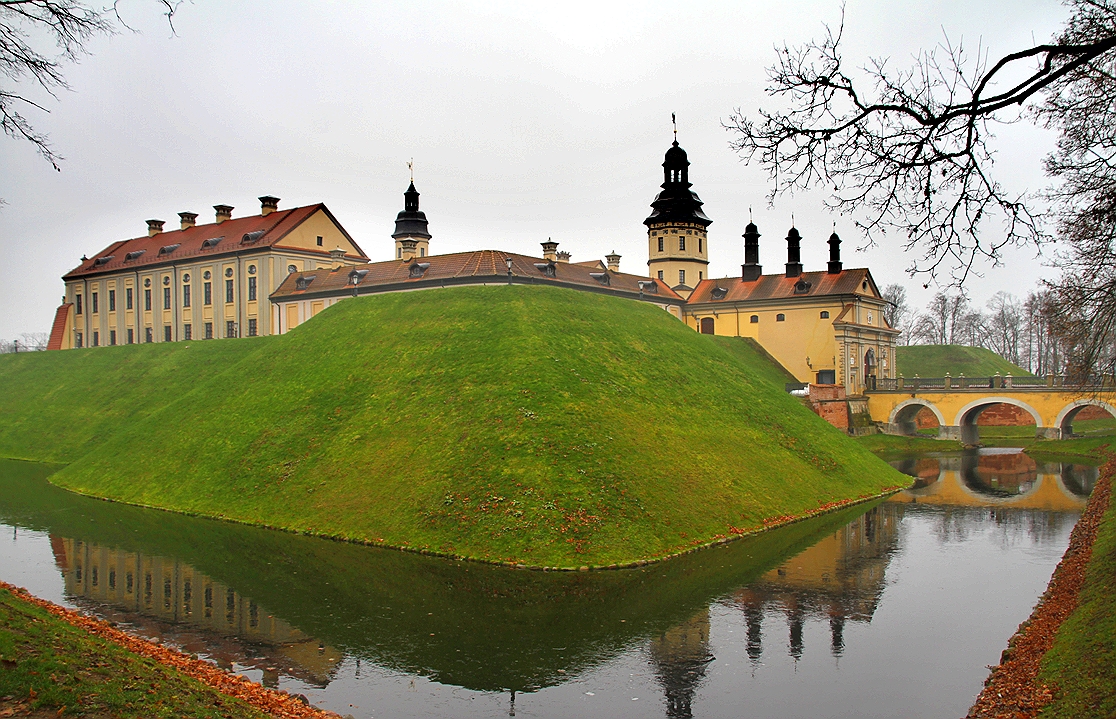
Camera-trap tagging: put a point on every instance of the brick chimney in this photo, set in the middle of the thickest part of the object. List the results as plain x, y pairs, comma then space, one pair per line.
224, 212
408, 248
794, 253
563, 256
268, 204
613, 261
154, 227
336, 258
834, 254
550, 250
187, 219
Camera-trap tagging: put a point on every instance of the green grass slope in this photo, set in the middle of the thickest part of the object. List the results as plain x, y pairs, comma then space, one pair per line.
936, 360
510, 423
56, 406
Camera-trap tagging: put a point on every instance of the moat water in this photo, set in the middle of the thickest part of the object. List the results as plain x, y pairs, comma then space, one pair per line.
888, 610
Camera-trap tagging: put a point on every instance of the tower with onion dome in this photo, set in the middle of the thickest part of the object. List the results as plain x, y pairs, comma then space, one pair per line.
412, 236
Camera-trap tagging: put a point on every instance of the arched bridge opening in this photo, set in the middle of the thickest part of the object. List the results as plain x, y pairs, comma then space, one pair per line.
914, 414
1001, 412
1086, 412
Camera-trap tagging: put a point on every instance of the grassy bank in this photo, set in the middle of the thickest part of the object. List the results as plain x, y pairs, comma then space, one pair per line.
527, 424
49, 664
1081, 665
936, 360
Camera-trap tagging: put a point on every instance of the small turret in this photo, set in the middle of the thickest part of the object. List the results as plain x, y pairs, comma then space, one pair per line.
751, 269
794, 253
411, 224
834, 254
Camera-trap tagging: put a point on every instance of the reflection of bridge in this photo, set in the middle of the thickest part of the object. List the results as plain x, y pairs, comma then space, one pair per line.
957, 403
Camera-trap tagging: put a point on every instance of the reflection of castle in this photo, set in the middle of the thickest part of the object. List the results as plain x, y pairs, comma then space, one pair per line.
839, 579
156, 593
680, 656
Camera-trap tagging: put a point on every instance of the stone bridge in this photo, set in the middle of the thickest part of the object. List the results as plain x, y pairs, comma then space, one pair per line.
957, 403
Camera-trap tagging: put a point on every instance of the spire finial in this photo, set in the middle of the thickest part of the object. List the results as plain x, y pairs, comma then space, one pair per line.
411, 167
674, 121
749, 214
792, 219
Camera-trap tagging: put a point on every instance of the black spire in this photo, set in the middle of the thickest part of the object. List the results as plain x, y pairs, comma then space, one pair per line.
677, 202
834, 254
752, 270
411, 222
794, 253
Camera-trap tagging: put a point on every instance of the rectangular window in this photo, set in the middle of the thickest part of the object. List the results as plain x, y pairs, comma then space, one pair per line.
230, 329
681, 277
209, 330
147, 335
699, 244
185, 295
228, 291
131, 336
166, 298
660, 274
112, 302
253, 328
77, 339
319, 240
77, 303
660, 244
147, 300
681, 243
93, 301
251, 288
207, 293
187, 332
112, 338
167, 334
96, 338
128, 298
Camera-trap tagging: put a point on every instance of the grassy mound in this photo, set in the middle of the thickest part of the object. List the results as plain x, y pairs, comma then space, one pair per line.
936, 360
538, 425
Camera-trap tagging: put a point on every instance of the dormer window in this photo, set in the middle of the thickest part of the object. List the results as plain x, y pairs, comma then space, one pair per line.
102, 260
650, 288
303, 282
211, 242
167, 249
133, 255
357, 276
801, 287
418, 269
719, 293
547, 268
251, 237
601, 277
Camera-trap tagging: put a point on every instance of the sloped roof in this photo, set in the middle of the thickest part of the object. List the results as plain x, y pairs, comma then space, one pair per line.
58, 328
190, 242
770, 287
465, 268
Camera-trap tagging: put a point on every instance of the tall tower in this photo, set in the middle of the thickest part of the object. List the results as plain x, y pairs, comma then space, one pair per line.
411, 236
677, 250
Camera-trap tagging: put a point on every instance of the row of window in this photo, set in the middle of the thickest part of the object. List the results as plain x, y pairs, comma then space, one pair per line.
682, 244
682, 276
207, 296
149, 333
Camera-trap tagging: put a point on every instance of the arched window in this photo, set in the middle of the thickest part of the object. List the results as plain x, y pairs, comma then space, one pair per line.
780, 317
754, 319
825, 314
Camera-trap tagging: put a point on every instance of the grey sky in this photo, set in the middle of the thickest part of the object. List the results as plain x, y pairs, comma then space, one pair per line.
525, 120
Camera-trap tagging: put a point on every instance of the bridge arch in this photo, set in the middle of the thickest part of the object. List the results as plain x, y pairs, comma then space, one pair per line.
967, 416
1064, 422
902, 418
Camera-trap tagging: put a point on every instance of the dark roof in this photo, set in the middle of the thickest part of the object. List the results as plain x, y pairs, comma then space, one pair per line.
465, 268
780, 286
261, 231
411, 221
677, 202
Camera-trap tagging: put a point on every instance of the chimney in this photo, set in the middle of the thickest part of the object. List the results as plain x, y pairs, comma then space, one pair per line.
794, 253
224, 212
408, 246
268, 204
550, 250
563, 256
613, 261
154, 227
751, 270
336, 258
188, 219
834, 254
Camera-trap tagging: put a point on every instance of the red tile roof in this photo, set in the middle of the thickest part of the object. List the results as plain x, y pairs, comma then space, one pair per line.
58, 329
468, 268
274, 226
769, 287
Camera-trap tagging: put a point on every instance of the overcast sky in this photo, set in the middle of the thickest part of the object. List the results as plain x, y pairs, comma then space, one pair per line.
525, 121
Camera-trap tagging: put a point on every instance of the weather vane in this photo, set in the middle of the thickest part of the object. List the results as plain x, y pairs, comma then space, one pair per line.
411, 167
674, 122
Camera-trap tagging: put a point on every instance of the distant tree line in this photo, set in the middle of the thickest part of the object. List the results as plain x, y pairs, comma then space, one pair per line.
1031, 332
27, 342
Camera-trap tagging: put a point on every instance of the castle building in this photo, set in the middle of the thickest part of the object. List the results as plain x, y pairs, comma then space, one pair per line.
199, 281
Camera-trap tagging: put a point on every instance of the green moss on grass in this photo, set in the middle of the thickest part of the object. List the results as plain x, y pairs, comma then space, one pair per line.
48, 663
510, 423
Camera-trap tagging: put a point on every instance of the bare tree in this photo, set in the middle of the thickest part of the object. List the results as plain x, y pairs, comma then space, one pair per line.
897, 312
33, 341
37, 38
1004, 327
